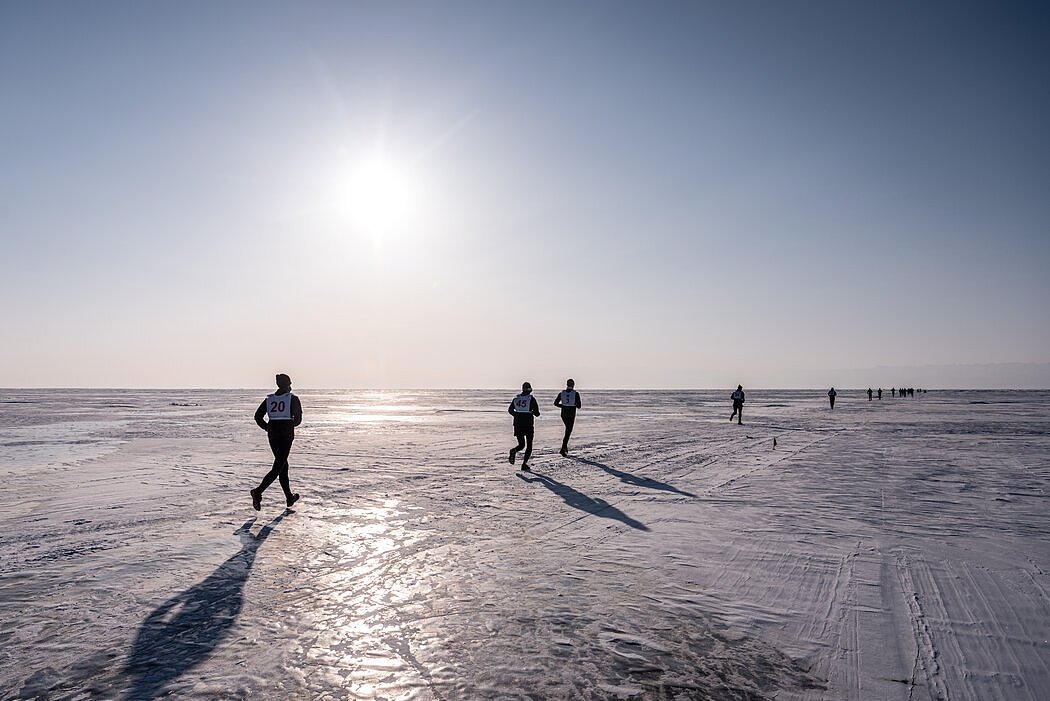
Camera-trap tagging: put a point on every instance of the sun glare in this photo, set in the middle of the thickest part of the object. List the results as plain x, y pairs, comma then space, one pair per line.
382, 197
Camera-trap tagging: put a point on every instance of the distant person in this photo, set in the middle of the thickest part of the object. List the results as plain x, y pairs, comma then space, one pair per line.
283, 412
893, 391
879, 394
831, 396
524, 408
869, 394
738, 405
569, 401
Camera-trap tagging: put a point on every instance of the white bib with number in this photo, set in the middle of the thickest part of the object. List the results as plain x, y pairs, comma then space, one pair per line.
523, 403
568, 398
279, 407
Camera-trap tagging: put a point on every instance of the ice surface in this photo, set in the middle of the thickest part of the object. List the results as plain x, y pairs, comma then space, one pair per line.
886, 550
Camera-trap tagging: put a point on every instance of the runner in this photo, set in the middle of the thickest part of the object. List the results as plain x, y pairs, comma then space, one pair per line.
831, 397
283, 412
523, 408
569, 401
738, 405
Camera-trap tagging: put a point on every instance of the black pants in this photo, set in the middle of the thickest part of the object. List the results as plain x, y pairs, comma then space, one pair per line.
281, 445
524, 435
738, 409
569, 419
832, 400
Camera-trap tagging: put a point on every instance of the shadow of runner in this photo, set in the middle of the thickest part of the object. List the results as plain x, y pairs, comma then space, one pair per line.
579, 500
627, 477
183, 632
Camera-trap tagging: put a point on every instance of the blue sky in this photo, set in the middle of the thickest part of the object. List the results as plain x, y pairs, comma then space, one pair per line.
638, 195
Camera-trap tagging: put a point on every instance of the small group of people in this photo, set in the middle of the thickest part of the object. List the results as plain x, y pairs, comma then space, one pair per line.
894, 391
524, 408
738, 402
282, 411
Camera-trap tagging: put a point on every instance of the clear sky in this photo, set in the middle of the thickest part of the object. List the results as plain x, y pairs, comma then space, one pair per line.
447, 194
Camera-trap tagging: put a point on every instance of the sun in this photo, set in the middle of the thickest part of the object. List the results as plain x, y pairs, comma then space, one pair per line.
382, 197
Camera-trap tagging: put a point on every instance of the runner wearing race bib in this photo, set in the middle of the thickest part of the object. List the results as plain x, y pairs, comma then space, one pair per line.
569, 401
738, 405
524, 409
283, 413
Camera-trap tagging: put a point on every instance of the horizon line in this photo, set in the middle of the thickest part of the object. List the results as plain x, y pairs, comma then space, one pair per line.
470, 389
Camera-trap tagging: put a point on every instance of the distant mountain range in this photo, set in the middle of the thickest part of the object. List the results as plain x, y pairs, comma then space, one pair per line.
977, 376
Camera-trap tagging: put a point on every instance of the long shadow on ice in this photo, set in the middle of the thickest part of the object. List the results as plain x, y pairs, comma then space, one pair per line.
637, 481
183, 632
579, 500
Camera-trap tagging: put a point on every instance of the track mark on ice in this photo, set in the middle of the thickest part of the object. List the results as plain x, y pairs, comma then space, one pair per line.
926, 652
779, 459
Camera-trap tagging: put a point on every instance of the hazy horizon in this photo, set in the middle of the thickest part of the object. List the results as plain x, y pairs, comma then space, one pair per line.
554, 388
467, 194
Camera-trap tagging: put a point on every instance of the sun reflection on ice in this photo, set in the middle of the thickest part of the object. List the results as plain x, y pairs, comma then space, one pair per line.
371, 582
372, 415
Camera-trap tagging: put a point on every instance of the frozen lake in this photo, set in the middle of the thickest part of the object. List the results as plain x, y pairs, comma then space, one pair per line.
887, 550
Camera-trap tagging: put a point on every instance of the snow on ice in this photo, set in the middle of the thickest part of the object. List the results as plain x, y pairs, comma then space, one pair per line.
893, 549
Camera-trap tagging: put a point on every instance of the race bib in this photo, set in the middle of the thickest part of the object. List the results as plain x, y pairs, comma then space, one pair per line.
279, 407
568, 398
523, 403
